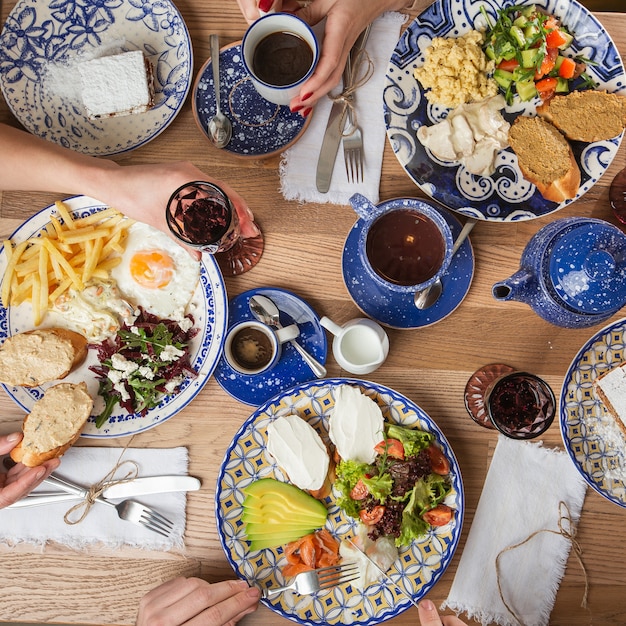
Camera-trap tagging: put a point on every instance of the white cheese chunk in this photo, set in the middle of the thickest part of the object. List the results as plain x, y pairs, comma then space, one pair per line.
356, 425
299, 451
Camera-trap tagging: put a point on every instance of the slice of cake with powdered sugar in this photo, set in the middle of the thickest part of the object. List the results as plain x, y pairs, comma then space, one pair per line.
611, 389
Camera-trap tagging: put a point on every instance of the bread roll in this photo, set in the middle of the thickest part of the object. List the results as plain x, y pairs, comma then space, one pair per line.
545, 158
38, 356
54, 424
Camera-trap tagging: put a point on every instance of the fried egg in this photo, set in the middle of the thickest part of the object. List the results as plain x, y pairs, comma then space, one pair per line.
156, 273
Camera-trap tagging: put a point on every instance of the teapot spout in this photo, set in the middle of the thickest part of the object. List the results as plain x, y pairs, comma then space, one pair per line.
517, 287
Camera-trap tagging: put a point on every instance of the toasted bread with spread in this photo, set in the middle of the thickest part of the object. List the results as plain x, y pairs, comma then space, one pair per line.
586, 115
545, 158
54, 424
42, 355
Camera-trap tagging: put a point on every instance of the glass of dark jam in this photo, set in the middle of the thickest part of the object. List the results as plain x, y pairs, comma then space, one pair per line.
200, 215
520, 405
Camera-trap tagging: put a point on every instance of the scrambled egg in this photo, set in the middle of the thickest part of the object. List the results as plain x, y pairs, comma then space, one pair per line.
456, 71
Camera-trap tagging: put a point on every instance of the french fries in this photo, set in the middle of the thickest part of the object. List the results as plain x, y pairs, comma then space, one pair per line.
68, 253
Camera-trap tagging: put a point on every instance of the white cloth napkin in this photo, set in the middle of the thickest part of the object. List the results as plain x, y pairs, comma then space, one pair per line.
87, 466
521, 495
299, 164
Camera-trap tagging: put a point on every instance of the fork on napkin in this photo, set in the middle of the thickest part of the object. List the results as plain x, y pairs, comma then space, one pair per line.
297, 167
527, 490
88, 465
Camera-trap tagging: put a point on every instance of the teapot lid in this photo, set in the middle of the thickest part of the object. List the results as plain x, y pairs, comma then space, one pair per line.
588, 267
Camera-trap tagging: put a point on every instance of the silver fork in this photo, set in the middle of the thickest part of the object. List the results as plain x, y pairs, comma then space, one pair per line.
128, 510
352, 138
318, 579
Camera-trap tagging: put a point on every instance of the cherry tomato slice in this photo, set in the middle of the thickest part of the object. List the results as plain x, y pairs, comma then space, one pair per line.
359, 491
438, 462
547, 65
439, 515
373, 516
546, 88
555, 38
508, 65
393, 447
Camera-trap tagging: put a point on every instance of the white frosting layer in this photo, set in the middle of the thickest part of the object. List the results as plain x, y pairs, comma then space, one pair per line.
356, 425
299, 451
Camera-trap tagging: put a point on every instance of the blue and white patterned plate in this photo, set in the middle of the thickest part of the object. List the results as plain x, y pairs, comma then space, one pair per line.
208, 305
593, 441
260, 128
398, 310
505, 195
290, 369
418, 567
43, 40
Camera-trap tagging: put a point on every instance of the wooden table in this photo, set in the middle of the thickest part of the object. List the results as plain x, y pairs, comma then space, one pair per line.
430, 366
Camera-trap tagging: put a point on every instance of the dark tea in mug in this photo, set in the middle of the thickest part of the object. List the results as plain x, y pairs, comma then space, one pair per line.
405, 247
252, 349
281, 58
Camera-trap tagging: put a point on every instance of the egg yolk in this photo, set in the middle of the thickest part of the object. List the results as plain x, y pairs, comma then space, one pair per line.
152, 269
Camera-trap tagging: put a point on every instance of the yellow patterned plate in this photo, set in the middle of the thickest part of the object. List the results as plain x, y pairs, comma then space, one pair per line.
418, 567
593, 440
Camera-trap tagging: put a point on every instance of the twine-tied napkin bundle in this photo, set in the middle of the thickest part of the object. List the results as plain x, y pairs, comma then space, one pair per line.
521, 536
101, 525
299, 163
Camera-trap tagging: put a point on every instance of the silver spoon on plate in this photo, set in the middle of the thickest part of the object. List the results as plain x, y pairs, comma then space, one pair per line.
219, 128
264, 309
425, 298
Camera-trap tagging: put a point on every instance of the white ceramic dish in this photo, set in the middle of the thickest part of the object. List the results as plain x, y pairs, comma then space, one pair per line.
209, 307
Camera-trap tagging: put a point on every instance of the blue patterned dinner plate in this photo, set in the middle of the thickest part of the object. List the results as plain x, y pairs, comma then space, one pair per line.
291, 368
398, 310
418, 567
42, 42
260, 128
594, 442
208, 306
505, 195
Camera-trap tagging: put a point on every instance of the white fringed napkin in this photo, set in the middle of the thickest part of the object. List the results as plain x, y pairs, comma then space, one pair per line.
87, 466
299, 163
524, 493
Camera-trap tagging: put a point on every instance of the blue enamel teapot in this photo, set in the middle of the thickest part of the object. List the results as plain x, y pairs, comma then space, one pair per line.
572, 273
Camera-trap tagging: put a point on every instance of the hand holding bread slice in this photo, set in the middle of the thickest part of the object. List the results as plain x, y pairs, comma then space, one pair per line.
54, 424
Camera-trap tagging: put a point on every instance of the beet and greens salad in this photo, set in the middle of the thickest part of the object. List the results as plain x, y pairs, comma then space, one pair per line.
401, 493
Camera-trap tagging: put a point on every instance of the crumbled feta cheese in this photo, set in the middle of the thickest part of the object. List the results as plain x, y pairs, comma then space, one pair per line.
185, 324
122, 391
121, 363
170, 385
146, 372
170, 353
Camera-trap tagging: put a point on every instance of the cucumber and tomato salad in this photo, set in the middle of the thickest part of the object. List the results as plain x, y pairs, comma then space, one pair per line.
401, 493
527, 47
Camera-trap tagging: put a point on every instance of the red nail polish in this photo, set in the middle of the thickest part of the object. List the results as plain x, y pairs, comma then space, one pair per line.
306, 112
297, 108
308, 95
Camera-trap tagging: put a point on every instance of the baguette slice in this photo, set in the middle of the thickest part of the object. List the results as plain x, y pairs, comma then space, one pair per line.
34, 357
54, 424
545, 158
611, 389
586, 115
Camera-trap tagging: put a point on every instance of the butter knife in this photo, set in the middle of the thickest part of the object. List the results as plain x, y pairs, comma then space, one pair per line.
336, 122
405, 593
138, 487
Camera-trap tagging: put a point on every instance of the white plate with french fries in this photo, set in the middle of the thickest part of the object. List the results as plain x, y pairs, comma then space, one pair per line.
70, 242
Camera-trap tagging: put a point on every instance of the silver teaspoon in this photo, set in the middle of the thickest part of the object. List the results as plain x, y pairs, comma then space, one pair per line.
267, 312
219, 127
427, 297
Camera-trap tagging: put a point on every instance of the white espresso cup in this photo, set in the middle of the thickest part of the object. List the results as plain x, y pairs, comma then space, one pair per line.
253, 348
279, 52
360, 346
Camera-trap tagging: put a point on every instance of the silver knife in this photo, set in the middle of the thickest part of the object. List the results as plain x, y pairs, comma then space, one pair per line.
336, 122
138, 487
405, 593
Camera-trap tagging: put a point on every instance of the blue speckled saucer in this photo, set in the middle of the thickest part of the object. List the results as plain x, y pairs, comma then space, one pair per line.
291, 369
398, 310
260, 128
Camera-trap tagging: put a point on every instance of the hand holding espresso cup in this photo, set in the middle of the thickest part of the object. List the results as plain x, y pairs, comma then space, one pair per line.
280, 52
